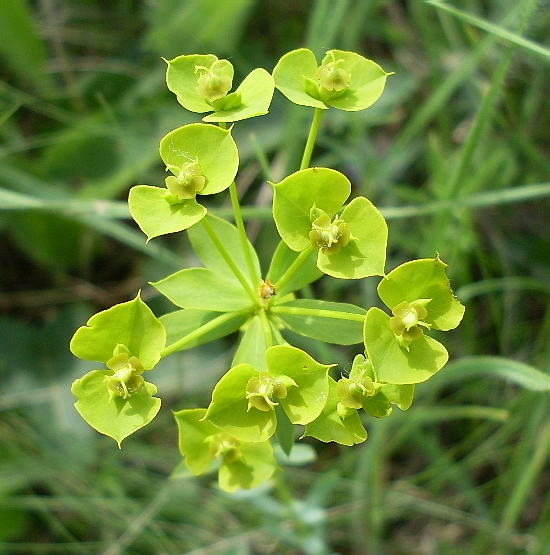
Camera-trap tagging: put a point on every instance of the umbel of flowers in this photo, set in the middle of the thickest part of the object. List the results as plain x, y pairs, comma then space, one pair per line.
272, 392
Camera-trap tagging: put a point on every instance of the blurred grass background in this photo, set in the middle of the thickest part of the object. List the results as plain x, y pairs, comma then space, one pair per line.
456, 155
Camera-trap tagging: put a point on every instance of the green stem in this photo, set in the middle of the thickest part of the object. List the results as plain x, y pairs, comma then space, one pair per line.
229, 261
319, 313
293, 268
199, 332
314, 129
242, 233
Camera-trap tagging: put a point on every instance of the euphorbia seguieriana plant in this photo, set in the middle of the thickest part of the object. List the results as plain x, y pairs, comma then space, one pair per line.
273, 391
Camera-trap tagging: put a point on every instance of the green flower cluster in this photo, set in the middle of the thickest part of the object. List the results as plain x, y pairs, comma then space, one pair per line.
273, 391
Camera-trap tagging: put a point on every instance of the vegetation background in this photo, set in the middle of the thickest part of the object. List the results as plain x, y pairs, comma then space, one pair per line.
455, 154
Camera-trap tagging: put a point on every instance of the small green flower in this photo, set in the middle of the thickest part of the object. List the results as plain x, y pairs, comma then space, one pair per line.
117, 401
407, 319
343, 80
361, 390
308, 211
241, 464
261, 389
329, 236
331, 77
202, 83
244, 400
225, 446
126, 379
331, 80
187, 180
337, 422
214, 82
353, 390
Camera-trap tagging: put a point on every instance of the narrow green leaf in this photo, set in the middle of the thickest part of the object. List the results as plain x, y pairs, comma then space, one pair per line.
495, 30
180, 323
210, 255
323, 320
201, 288
252, 345
132, 324
118, 417
514, 371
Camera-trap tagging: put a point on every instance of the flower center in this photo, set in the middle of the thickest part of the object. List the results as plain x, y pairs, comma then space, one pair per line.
126, 379
333, 78
407, 319
213, 83
261, 389
329, 236
224, 445
187, 181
